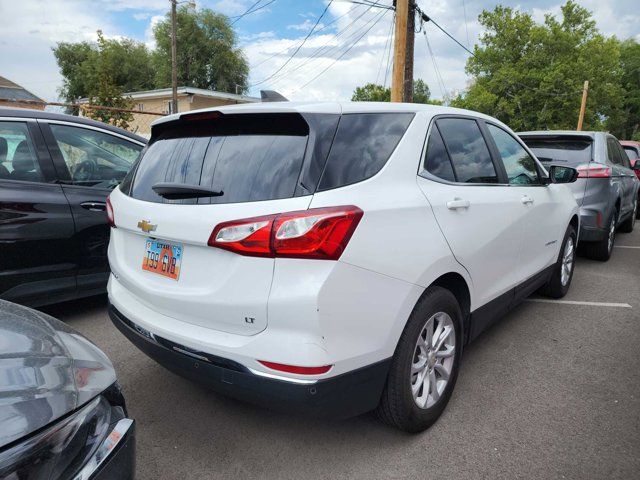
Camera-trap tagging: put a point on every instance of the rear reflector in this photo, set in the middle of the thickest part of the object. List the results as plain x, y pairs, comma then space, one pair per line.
110, 215
594, 170
295, 369
319, 233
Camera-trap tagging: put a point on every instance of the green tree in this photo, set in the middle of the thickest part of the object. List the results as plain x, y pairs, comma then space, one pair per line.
208, 55
128, 63
378, 93
627, 124
530, 75
106, 92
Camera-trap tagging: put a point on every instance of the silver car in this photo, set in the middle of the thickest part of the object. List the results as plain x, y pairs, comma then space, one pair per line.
606, 189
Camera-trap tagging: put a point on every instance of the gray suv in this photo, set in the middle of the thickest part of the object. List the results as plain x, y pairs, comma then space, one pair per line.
606, 189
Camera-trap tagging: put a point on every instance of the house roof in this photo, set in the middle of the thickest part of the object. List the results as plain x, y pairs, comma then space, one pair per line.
166, 92
14, 92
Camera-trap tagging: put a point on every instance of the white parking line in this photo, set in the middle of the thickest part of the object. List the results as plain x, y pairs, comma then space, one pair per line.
573, 302
625, 246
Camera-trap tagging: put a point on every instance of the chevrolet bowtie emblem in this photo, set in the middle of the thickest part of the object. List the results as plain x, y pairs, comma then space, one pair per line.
146, 227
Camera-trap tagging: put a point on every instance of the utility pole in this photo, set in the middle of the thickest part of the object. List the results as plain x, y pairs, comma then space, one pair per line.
174, 54
583, 105
407, 95
399, 51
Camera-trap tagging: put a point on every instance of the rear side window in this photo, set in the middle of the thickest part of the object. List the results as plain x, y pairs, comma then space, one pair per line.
570, 151
248, 157
469, 153
362, 145
613, 153
437, 160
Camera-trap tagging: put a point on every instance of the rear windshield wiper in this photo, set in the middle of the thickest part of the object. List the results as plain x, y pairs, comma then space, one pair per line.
179, 191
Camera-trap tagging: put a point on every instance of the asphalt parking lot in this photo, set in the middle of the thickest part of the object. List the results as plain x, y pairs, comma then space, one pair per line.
551, 391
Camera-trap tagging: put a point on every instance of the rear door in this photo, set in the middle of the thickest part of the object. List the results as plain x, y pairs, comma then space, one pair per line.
262, 163
37, 264
89, 163
481, 217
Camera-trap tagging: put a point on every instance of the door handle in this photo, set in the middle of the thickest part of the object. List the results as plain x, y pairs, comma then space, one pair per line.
94, 206
526, 200
457, 203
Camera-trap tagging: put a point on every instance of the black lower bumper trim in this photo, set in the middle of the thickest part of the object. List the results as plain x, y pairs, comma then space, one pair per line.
343, 396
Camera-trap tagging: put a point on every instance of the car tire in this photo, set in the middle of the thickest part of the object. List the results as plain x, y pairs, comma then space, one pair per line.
629, 223
602, 250
421, 378
560, 280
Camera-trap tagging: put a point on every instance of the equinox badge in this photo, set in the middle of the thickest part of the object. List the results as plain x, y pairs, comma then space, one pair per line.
146, 226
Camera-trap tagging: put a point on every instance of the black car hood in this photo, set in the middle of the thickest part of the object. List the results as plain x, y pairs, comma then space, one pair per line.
46, 370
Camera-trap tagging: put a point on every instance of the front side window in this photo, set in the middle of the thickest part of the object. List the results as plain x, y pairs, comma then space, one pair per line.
469, 152
18, 159
93, 158
519, 165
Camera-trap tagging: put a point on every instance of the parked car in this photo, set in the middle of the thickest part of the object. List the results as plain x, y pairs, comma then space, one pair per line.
332, 258
56, 172
62, 414
606, 190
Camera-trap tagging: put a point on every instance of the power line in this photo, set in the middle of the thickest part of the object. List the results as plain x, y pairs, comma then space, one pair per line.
384, 52
386, 70
315, 33
251, 10
323, 49
427, 19
370, 3
297, 49
466, 27
439, 79
345, 52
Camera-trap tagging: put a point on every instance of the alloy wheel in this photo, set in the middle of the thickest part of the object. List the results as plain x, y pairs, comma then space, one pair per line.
433, 360
567, 262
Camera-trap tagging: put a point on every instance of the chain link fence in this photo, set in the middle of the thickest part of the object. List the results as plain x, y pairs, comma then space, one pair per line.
135, 121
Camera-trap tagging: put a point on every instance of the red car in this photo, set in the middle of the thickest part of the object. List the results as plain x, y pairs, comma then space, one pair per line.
632, 148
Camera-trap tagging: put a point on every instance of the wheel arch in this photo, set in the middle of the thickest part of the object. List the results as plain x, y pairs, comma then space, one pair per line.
457, 285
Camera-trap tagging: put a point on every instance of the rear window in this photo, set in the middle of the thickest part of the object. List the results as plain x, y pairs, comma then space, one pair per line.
258, 157
569, 151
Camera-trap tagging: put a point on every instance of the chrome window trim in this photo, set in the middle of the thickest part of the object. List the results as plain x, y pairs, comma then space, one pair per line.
91, 127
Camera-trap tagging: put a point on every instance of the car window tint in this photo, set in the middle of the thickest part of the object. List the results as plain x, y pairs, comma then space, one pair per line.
437, 159
248, 157
362, 145
568, 150
519, 165
624, 160
469, 152
632, 152
18, 159
612, 151
94, 158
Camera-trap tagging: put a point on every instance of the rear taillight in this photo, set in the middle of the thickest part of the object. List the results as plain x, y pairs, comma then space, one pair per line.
320, 233
296, 369
594, 170
110, 215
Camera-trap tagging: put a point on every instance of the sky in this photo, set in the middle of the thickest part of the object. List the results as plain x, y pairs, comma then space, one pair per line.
324, 68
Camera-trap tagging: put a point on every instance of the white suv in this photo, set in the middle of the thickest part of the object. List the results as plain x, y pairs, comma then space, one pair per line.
332, 257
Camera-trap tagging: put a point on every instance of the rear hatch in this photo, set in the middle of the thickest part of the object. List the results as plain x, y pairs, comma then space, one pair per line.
564, 150
256, 164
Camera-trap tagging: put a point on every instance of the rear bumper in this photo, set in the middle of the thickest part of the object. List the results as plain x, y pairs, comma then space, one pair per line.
343, 396
592, 234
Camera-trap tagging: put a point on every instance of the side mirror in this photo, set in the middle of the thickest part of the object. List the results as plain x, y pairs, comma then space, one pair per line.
635, 164
560, 174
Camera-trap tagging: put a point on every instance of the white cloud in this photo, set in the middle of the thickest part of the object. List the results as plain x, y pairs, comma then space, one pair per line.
307, 25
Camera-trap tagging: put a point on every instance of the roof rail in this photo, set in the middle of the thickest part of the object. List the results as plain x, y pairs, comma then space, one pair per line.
272, 96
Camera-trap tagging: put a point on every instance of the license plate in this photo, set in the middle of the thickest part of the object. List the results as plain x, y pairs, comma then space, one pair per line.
162, 258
